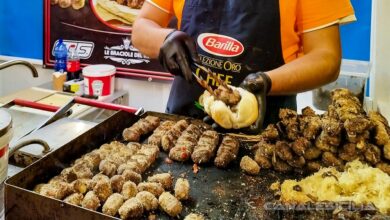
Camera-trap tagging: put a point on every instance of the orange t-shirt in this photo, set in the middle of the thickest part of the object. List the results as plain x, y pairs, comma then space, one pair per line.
296, 17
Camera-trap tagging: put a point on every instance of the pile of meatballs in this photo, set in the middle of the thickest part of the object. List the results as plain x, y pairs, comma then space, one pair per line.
305, 143
109, 180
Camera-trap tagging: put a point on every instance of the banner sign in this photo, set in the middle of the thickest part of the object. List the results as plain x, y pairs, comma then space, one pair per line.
101, 32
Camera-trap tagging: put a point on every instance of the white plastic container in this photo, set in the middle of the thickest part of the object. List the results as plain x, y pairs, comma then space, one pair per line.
99, 80
353, 76
5, 137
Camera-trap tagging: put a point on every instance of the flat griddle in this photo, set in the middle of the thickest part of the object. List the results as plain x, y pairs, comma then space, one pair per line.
215, 193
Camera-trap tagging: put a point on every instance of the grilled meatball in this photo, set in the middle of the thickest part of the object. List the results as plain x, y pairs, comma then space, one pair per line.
130, 165
297, 162
372, 154
68, 175
57, 190
74, 199
38, 187
107, 167
132, 208
117, 182
270, 133
309, 124
283, 150
83, 171
129, 190
193, 216
148, 200
90, 201
103, 190
329, 159
314, 166
165, 179
300, 145
348, 152
170, 204
182, 189
289, 119
132, 176
154, 188
82, 185
312, 153
263, 161
249, 166
99, 177
113, 203
327, 143
280, 165
94, 158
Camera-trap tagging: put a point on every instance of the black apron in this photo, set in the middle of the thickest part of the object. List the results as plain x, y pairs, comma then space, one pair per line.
234, 38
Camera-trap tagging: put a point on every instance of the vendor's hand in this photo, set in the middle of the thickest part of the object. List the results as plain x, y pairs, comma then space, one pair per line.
259, 84
177, 53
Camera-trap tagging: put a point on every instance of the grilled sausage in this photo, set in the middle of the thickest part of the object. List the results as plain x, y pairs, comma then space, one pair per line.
227, 152
206, 147
155, 138
141, 127
185, 144
169, 139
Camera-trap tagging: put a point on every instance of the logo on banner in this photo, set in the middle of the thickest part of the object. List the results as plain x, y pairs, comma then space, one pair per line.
84, 48
220, 45
126, 54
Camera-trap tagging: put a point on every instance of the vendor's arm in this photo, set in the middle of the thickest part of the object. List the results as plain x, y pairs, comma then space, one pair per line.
319, 65
149, 30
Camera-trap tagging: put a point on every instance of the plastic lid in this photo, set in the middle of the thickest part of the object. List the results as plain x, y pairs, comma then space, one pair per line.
99, 70
5, 122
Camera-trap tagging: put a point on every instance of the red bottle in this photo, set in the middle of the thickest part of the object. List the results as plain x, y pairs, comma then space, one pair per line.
73, 64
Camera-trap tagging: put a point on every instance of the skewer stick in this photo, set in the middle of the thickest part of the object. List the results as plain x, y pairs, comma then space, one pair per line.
213, 75
203, 83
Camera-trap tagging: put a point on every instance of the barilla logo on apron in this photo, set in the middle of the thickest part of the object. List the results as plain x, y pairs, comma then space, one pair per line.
220, 45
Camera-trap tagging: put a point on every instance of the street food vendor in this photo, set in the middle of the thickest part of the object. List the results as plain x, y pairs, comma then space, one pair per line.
281, 47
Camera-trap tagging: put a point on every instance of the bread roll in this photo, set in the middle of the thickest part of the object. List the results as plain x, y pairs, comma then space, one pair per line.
241, 115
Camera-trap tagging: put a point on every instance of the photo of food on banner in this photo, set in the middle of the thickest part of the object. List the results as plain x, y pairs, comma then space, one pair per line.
118, 14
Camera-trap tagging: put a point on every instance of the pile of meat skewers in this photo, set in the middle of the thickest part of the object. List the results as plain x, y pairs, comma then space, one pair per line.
307, 142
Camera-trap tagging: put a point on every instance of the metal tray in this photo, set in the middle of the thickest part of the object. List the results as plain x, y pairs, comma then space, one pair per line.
215, 193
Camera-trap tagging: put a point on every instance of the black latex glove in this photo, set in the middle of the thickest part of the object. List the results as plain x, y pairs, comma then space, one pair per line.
177, 53
259, 84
